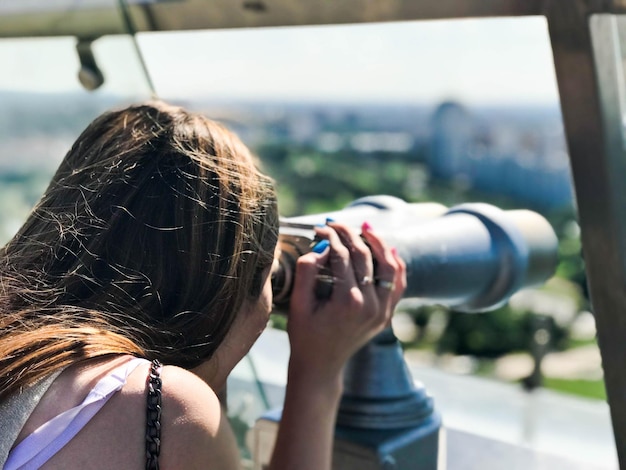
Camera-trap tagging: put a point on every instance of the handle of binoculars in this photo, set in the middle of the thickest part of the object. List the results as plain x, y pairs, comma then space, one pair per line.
471, 257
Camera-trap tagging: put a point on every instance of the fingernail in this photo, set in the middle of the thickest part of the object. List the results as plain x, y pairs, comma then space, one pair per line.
320, 225
321, 246
329, 220
366, 227
394, 251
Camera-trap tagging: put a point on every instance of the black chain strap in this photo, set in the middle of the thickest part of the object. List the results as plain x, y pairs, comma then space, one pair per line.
153, 423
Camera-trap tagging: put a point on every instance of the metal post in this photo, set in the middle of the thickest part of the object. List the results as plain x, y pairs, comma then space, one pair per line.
590, 105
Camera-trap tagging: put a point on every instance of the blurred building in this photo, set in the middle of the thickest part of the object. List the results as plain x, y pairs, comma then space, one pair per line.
522, 157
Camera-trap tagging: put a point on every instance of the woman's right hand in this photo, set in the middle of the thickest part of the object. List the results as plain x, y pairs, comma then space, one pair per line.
324, 333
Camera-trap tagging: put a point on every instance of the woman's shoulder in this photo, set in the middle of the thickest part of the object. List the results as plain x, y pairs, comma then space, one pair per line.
194, 429
188, 401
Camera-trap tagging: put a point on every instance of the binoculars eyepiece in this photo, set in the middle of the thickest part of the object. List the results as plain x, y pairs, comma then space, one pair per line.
471, 257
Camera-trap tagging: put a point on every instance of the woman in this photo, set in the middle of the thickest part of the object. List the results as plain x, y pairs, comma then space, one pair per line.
155, 240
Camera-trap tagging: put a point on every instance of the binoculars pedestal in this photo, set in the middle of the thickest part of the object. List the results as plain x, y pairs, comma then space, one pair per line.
384, 414
413, 448
385, 420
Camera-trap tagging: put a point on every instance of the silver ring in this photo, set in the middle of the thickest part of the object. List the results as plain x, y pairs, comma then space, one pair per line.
389, 285
366, 281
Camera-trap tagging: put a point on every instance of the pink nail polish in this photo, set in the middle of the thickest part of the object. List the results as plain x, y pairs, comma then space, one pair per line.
394, 251
366, 227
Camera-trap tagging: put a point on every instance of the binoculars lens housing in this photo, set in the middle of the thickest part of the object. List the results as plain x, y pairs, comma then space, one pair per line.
471, 257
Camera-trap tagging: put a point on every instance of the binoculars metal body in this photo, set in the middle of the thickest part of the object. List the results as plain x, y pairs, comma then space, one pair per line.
471, 257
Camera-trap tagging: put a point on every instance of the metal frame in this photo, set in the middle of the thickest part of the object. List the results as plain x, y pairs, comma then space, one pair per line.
589, 114
588, 84
98, 17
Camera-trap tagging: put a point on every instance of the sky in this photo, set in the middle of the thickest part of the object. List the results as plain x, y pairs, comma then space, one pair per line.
477, 61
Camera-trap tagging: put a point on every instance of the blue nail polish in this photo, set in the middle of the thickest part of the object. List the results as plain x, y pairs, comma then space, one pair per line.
320, 225
321, 246
329, 220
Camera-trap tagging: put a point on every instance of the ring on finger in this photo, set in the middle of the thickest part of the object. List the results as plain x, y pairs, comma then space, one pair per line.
385, 284
366, 281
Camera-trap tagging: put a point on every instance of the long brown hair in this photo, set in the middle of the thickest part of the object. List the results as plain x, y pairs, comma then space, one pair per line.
155, 228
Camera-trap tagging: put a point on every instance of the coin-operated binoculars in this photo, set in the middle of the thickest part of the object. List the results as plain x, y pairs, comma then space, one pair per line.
472, 258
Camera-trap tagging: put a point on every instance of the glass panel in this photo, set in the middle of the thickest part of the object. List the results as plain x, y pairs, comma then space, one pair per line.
44, 108
341, 112
446, 111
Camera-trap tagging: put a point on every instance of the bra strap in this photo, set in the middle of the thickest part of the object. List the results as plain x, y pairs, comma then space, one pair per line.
153, 422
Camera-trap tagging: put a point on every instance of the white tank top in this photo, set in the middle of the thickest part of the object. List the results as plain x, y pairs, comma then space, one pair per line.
49, 438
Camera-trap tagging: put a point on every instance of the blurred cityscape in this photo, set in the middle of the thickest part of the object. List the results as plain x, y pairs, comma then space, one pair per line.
516, 153
506, 153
